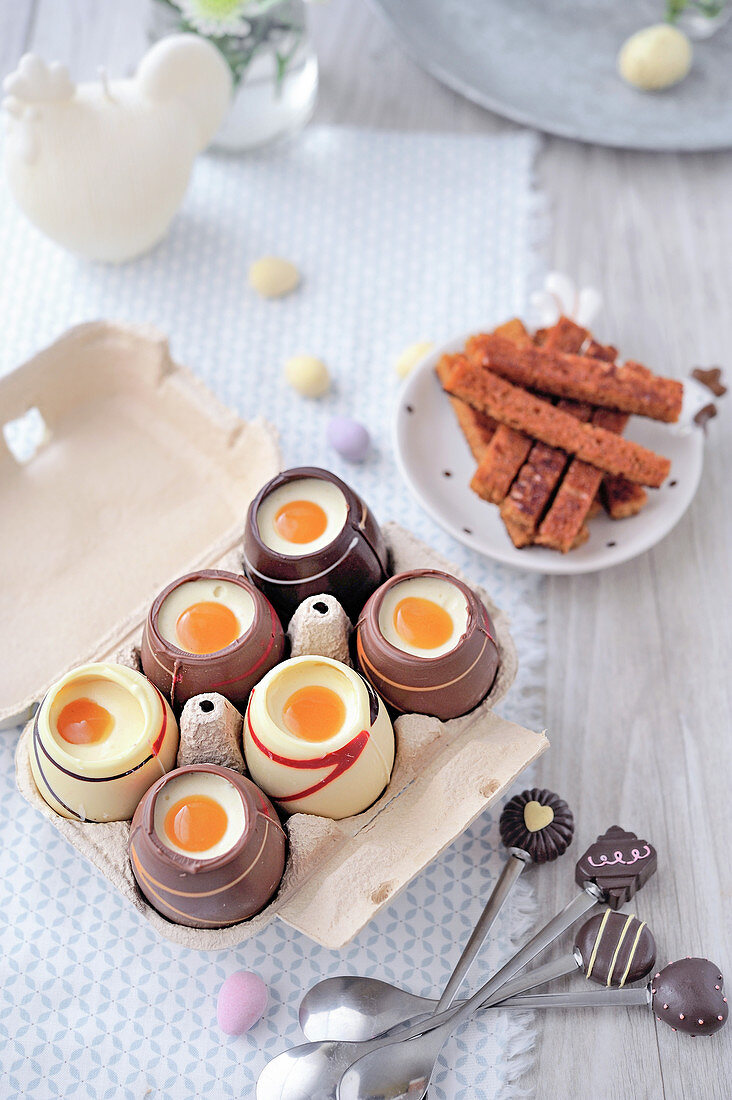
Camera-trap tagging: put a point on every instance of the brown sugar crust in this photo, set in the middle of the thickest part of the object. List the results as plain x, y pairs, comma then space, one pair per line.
525, 412
577, 493
631, 388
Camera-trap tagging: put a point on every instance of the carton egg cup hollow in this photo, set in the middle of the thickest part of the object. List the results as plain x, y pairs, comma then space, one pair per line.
339, 874
120, 412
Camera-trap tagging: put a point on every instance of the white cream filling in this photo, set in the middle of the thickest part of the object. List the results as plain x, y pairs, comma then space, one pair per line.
294, 675
204, 590
127, 716
323, 493
440, 591
216, 787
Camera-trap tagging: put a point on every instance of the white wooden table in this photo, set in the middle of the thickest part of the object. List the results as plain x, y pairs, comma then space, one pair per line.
638, 698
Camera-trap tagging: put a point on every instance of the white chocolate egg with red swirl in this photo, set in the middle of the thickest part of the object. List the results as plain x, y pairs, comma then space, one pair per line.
318, 739
102, 735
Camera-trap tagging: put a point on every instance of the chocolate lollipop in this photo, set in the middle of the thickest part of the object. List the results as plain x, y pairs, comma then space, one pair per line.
610, 949
688, 995
619, 863
539, 822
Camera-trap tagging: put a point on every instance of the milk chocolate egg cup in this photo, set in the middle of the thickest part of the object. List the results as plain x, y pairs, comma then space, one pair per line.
350, 567
444, 686
232, 671
102, 780
200, 892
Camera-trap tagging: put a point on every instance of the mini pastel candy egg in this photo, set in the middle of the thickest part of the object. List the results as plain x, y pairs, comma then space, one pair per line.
307, 375
349, 438
273, 277
242, 1001
655, 57
411, 355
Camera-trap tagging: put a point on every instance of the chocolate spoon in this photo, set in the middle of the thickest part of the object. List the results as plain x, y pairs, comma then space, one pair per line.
312, 1071
610, 948
611, 870
535, 826
688, 995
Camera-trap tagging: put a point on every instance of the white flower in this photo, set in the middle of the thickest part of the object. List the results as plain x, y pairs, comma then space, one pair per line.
561, 296
218, 17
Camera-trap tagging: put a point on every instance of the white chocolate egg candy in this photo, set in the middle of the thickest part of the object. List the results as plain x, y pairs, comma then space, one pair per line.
317, 738
426, 616
102, 735
301, 517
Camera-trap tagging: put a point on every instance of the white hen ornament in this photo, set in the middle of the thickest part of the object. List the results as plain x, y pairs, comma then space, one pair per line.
101, 168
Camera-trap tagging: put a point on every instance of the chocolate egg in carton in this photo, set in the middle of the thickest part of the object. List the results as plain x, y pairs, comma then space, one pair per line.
338, 872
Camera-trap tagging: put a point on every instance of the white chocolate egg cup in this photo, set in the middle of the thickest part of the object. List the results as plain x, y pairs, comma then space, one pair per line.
104, 780
339, 874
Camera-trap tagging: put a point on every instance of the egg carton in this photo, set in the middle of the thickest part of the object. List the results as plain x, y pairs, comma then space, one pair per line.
339, 874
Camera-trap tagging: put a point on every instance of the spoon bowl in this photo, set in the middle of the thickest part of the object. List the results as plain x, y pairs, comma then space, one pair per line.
356, 1009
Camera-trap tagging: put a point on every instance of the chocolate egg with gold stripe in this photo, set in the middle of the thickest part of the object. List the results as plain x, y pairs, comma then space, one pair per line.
210, 631
101, 736
206, 847
309, 534
615, 948
318, 739
426, 643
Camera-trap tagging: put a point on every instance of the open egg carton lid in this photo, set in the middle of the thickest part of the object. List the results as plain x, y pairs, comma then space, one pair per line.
119, 470
140, 477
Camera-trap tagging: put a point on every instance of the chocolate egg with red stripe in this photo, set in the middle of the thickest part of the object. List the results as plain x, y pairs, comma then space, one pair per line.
206, 847
309, 534
210, 631
317, 738
102, 735
426, 643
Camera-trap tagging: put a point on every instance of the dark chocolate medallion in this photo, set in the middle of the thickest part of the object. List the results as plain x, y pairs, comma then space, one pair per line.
615, 948
689, 996
539, 822
619, 863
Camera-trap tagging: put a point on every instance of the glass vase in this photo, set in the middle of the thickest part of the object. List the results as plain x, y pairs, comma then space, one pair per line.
272, 62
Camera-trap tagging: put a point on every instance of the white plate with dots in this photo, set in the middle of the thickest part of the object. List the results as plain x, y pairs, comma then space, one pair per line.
435, 461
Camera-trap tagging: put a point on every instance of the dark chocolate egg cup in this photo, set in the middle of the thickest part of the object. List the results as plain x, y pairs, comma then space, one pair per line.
444, 687
350, 567
210, 893
233, 671
338, 874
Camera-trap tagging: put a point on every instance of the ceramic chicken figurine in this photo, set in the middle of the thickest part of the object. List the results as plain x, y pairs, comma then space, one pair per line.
101, 168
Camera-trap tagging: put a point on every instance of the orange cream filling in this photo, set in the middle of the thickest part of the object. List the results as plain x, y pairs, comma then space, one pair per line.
300, 521
84, 722
196, 823
314, 713
206, 627
422, 623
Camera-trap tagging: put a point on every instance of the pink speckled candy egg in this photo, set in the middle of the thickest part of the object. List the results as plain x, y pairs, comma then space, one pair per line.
349, 437
242, 1001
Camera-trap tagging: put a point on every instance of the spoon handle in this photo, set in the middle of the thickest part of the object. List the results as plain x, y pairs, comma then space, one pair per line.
593, 998
557, 968
499, 895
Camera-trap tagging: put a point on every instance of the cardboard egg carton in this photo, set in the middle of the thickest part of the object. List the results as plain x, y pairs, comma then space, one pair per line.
339, 873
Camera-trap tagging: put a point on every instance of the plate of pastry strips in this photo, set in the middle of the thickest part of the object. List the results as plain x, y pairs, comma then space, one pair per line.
544, 451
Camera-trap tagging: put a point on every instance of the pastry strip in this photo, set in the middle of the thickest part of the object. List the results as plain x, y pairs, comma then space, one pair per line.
477, 428
509, 449
576, 494
523, 411
631, 388
621, 498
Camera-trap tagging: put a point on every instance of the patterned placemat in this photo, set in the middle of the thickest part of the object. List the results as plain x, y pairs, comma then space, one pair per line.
399, 238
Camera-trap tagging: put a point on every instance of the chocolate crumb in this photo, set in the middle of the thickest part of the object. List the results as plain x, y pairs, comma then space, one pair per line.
705, 414
710, 377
